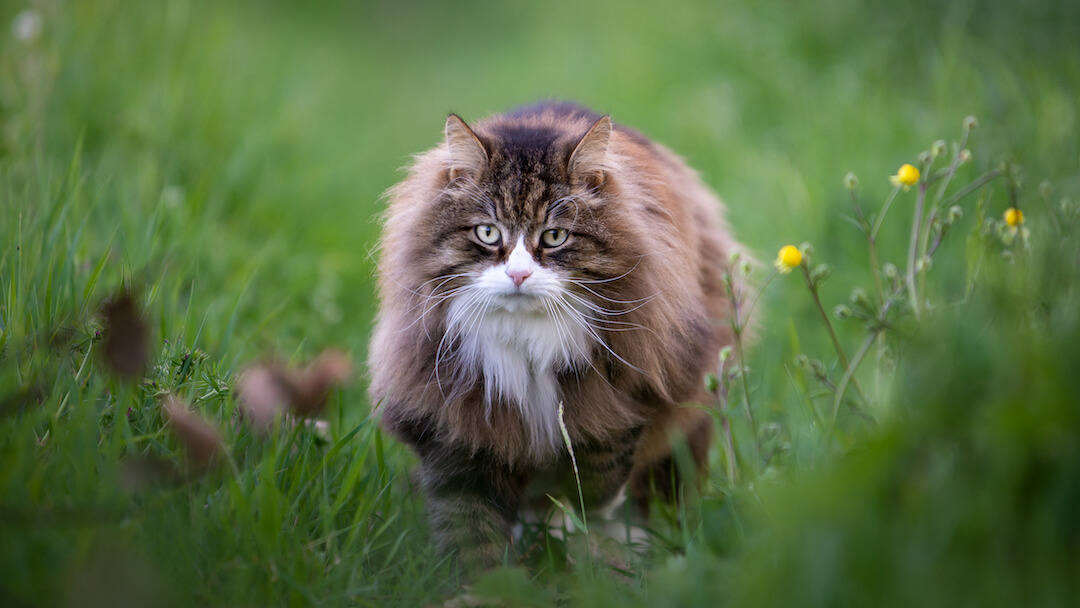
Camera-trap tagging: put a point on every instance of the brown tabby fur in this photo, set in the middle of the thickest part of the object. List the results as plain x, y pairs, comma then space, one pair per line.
643, 222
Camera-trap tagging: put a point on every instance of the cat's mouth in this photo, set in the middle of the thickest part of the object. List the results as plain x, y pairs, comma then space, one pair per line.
519, 302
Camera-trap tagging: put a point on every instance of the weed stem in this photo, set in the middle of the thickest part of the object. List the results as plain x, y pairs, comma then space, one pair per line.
828, 325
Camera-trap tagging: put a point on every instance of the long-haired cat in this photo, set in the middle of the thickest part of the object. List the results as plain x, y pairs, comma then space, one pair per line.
545, 257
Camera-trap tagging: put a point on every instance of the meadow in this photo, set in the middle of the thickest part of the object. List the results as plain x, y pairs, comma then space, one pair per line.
224, 163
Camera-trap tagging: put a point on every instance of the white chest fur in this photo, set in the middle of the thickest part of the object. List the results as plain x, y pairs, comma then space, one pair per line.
520, 354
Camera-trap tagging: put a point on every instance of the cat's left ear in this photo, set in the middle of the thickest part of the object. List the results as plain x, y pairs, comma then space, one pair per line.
467, 153
589, 159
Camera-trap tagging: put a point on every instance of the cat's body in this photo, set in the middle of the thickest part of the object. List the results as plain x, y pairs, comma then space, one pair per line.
545, 258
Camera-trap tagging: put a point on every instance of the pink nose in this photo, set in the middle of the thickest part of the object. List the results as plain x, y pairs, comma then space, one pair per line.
518, 275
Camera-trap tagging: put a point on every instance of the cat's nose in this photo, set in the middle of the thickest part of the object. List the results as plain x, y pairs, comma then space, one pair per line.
518, 275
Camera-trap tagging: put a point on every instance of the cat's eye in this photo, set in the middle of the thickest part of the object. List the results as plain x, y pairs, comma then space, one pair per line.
488, 234
554, 237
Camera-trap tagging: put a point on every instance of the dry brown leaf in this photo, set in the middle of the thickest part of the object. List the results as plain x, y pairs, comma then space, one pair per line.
126, 343
267, 389
202, 442
261, 396
310, 388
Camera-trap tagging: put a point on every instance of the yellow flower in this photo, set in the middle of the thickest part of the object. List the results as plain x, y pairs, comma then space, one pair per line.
788, 258
1014, 217
905, 176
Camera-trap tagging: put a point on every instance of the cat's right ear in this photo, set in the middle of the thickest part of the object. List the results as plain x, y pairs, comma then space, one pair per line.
467, 153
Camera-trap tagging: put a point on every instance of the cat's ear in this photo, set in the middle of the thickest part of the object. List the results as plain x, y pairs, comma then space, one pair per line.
589, 159
467, 154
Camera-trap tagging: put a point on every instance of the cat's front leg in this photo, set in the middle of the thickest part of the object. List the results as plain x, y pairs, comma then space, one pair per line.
472, 504
604, 469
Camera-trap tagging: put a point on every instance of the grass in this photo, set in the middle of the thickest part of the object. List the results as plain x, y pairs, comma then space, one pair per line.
225, 162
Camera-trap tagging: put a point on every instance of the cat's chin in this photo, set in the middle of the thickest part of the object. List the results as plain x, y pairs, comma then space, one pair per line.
520, 303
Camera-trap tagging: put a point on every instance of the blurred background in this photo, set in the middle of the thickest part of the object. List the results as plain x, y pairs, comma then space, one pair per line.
230, 159
274, 127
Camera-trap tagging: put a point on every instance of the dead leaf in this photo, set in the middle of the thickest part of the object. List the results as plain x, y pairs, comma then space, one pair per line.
126, 342
268, 389
202, 442
310, 388
261, 396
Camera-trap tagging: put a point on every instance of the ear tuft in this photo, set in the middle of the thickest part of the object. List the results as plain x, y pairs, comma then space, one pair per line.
467, 153
589, 159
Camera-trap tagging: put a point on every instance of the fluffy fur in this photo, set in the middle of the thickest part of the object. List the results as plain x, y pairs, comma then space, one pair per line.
488, 321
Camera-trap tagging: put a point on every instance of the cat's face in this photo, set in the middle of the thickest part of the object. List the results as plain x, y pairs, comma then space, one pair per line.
522, 225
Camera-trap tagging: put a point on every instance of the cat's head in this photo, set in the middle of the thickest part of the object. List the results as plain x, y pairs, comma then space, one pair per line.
524, 221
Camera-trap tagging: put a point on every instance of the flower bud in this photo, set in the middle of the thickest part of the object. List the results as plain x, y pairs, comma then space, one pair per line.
734, 257
802, 361
819, 274
711, 383
924, 158
970, 123
965, 156
890, 271
1046, 188
955, 213
851, 181
842, 311
938, 148
1007, 255
923, 264
807, 250
819, 368
859, 298
745, 268
725, 353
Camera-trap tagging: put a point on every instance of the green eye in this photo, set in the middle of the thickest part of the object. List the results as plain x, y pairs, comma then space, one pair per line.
554, 237
488, 234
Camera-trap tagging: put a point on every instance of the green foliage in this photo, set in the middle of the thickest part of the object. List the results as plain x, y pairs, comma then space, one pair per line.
224, 162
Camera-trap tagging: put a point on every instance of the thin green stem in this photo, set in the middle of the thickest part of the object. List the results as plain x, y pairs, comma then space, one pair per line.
828, 325
979, 182
737, 330
953, 167
848, 376
916, 228
746, 391
881, 216
729, 449
760, 290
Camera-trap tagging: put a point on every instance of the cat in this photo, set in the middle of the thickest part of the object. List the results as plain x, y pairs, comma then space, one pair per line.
542, 268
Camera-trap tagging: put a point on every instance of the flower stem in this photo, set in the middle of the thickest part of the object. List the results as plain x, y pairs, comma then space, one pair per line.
973, 186
828, 325
916, 228
738, 325
881, 216
729, 449
848, 377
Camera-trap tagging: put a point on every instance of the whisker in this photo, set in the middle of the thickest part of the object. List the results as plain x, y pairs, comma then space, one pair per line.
588, 359
612, 300
589, 329
625, 325
609, 280
600, 309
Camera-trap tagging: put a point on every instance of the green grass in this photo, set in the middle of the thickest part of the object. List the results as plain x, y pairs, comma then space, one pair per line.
226, 160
